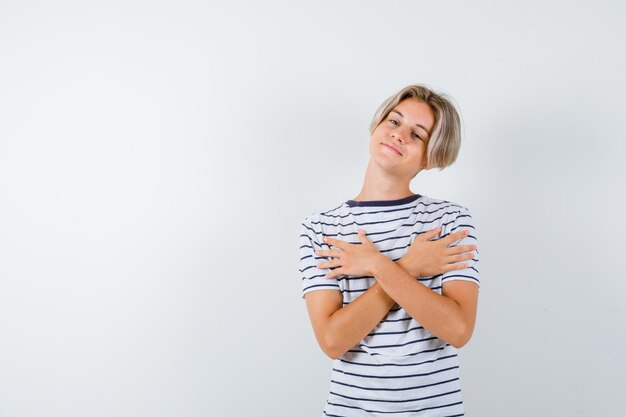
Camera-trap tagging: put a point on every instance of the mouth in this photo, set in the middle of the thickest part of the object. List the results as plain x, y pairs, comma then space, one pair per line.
392, 148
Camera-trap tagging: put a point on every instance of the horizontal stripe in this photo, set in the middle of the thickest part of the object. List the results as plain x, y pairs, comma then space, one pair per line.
305, 257
444, 279
396, 320
355, 278
410, 354
322, 285
395, 376
398, 364
340, 415
355, 291
432, 384
355, 223
307, 268
399, 332
396, 401
314, 276
398, 345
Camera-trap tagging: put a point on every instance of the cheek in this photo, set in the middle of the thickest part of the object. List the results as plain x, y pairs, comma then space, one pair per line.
375, 136
378, 135
373, 144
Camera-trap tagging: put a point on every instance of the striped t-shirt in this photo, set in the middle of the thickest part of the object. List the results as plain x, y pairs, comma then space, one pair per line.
400, 368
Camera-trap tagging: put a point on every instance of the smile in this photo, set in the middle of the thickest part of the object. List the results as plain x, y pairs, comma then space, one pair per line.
392, 148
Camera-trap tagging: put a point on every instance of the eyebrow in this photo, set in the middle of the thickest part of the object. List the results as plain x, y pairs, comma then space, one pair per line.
416, 124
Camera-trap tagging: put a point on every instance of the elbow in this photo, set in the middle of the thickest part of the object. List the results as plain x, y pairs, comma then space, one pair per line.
330, 348
462, 336
332, 354
459, 343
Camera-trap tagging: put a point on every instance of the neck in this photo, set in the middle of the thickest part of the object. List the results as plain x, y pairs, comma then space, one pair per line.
383, 185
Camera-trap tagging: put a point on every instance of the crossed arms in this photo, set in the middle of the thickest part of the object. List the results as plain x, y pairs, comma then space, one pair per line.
449, 316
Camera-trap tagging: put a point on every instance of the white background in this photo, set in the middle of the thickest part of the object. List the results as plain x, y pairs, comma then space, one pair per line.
157, 159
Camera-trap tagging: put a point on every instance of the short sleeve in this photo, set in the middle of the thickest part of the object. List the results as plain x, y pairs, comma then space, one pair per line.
312, 276
462, 221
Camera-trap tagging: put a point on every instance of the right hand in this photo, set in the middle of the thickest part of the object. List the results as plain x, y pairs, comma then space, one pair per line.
432, 257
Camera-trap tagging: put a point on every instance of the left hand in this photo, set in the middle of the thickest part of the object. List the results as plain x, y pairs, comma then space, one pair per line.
351, 258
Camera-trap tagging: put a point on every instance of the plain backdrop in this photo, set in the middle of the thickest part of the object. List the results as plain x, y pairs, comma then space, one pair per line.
157, 159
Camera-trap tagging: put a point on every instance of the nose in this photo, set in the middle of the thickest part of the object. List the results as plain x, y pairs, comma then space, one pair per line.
396, 136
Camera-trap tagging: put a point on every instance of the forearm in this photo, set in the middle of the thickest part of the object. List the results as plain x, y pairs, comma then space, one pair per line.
440, 315
350, 324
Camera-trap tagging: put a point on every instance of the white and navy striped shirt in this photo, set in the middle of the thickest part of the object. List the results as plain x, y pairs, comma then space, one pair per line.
400, 368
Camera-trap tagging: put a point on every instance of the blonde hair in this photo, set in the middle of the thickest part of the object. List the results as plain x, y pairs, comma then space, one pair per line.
445, 139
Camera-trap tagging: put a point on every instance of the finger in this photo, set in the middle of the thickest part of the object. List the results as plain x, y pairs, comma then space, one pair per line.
331, 253
456, 267
333, 263
451, 238
461, 249
459, 258
336, 242
430, 233
362, 237
332, 274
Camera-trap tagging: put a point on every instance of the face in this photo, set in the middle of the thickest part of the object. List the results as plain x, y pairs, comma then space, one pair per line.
399, 143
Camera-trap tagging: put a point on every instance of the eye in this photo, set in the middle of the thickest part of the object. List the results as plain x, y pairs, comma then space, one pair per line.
393, 121
417, 136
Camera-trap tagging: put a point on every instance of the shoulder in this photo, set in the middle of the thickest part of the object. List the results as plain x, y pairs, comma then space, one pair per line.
441, 207
315, 222
326, 215
447, 213
430, 201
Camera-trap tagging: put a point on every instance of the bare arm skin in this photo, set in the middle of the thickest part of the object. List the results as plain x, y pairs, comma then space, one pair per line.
339, 329
450, 316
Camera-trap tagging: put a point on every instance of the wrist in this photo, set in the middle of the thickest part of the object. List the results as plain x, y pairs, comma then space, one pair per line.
404, 265
378, 263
